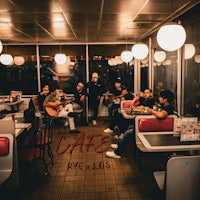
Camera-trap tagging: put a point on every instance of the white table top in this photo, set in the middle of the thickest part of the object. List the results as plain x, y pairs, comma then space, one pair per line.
26, 126
126, 115
13, 103
173, 144
20, 127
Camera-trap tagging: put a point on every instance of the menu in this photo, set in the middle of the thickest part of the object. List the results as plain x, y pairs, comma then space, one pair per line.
187, 128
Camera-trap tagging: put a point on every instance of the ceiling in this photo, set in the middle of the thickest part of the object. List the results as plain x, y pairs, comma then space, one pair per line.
85, 21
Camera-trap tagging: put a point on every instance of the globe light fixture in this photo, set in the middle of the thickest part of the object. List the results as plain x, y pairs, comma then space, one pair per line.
171, 37
60, 58
189, 51
1, 46
19, 60
126, 56
118, 60
6, 59
197, 58
140, 51
112, 62
159, 56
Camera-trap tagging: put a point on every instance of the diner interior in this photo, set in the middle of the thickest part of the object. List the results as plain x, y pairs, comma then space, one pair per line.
62, 42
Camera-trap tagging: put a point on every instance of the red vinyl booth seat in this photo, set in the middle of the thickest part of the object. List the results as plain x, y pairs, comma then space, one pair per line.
4, 146
126, 105
155, 125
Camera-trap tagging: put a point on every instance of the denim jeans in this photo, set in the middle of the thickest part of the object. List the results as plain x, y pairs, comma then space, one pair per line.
123, 143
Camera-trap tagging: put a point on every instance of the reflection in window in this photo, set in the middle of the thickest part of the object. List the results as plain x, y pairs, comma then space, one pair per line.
109, 74
165, 74
23, 78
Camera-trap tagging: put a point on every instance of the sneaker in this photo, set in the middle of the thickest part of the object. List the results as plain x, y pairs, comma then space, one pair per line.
119, 137
112, 154
72, 114
74, 131
114, 146
66, 123
108, 130
94, 122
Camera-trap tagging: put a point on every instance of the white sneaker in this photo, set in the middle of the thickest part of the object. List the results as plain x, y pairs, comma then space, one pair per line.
94, 122
112, 154
114, 146
119, 137
108, 130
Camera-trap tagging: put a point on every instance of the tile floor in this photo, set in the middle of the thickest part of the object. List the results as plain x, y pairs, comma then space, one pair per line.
81, 170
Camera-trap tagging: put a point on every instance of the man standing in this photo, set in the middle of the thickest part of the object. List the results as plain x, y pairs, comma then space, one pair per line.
95, 91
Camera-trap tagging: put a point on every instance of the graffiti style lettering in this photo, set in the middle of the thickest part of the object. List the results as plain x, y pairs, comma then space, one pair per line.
103, 141
79, 142
80, 139
61, 137
90, 138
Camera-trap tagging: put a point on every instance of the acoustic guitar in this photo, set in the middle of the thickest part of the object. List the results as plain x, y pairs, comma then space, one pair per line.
110, 98
53, 108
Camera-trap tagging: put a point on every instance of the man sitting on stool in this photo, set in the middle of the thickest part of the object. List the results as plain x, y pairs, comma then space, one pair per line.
55, 108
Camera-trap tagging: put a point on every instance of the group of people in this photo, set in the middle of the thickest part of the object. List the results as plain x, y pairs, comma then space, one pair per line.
127, 130
94, 90
51, 102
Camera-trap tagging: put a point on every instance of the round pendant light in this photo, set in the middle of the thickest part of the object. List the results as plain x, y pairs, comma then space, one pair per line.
112, 62
140, 51
6, 59
19, 60
118, 60
126, 56
171, 37
159, 56
197, 58
189, 51
60, 58
1, 46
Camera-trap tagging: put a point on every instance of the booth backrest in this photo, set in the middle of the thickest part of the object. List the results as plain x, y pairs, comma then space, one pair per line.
153, 124
6, 156
183, 178
4, 146
126, 104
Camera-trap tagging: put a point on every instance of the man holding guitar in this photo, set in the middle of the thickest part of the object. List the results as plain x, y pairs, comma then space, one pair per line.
55, 108
111, 98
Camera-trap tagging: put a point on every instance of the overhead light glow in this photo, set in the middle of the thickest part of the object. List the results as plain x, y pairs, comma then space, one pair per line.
197, 58
6, 59
1, 46
159, 56
171, 37
60, 58
140, 51
126, 56
189, 51
19, 60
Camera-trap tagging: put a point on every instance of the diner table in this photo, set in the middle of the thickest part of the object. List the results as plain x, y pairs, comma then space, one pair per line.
166, 142
131, 114
21, 127
14, 105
